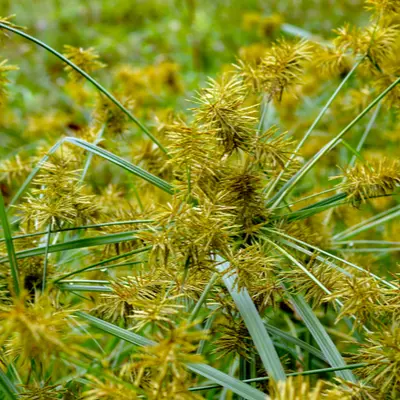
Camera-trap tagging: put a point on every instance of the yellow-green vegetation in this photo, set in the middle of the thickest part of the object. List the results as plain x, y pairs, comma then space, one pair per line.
199, 200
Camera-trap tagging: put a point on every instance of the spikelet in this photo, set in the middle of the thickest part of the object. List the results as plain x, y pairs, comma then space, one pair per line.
58, 198
37, 329
40, 392
363, 297
250, 265
331, 62
381, 353
192, 150
378, 178
295, 388
266, 26
49, 125
280, 69
234, 339
386, 79
166, 360
383, 8
126, 292
7, 21
159, 313
4, 70
301, 283
222, 110
15, 169
107, 390
242, 189
272, 150
108, 114
377, 41
85, 59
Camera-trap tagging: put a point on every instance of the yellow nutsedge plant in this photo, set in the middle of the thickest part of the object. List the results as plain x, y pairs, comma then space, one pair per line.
203, 253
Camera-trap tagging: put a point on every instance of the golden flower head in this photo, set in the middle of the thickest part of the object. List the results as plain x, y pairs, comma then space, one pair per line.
85, 59
4, 70
366, 180
222, 109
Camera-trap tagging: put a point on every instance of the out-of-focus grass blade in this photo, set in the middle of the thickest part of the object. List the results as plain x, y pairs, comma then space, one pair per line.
254, 324
10, 245
236, 386
7, 387
78, 244
294, 340
331, 353
89, 78
369, 223
85, 288
141, 173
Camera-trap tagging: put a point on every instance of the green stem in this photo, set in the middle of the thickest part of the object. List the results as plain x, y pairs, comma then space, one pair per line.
12, 258
89, 78
136, 251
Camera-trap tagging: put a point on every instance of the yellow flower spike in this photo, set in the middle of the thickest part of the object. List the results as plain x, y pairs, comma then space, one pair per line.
86, 59
381, 353
378, 178
377, 41
37, 329
7, 21
222, 110
107, 390
295, 388
166, 360
383, 8
58, 197
281, 68
4, 70
106, 112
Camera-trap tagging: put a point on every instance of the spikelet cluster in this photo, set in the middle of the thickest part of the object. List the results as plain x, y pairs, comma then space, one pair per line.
58, 198
377, 178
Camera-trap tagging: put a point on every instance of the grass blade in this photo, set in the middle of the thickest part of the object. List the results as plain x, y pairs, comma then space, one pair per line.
77, 244
369, 223
9, 245
254, 324
294, 340
222, 379
265, 378
320, 335
7, 387
141, 173
330, 255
